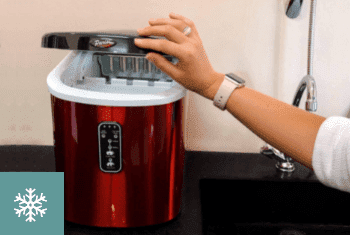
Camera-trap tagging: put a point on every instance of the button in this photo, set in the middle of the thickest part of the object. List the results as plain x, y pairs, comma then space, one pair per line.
110, 156
115, 136
110, 162
109, 141
103, 135
110, 152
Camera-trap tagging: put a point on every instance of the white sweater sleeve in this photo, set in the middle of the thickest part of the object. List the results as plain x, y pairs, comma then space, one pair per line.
331, 154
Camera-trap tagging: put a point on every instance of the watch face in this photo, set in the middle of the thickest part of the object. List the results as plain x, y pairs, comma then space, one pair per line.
235, 78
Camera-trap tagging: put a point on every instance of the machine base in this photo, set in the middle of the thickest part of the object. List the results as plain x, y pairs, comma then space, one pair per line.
70, 224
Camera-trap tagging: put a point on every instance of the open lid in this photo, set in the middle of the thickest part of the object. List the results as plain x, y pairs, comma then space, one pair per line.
117, 42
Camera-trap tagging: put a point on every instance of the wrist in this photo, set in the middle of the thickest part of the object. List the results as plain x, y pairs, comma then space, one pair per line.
213, 89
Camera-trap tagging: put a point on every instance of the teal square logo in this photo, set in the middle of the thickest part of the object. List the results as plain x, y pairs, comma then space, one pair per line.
32, 203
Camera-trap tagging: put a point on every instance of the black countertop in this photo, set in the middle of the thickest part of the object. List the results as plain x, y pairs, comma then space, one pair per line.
198, 166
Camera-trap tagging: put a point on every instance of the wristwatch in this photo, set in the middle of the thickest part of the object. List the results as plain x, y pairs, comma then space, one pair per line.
230, 83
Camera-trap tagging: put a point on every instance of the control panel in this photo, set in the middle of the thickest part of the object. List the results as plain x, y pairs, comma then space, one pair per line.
110, 143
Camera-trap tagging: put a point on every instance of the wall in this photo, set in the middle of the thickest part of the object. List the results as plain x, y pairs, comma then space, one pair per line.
252, 38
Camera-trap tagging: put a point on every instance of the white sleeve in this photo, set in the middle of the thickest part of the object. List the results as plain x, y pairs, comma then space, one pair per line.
331, 154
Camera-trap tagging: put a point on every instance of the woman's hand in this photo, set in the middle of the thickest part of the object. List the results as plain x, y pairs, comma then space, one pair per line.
193, 71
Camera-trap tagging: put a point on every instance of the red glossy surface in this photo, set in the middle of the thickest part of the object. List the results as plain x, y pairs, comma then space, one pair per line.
148, 189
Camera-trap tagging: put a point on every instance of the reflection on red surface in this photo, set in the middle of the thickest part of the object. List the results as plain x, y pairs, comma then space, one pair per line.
148, 189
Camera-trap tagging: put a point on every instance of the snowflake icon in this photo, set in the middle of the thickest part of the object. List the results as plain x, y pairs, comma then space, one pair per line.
30, 205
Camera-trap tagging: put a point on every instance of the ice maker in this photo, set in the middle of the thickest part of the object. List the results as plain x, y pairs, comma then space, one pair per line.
118, 131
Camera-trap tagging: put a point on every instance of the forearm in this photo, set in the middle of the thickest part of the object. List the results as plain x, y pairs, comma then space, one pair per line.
287, 128
290, 129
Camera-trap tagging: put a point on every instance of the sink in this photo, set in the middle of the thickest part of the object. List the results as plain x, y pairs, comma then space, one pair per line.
272, 206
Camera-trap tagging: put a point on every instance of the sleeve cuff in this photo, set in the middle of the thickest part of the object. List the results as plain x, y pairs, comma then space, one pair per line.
331, 154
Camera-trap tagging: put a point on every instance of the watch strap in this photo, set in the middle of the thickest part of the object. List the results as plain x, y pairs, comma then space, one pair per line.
224, 92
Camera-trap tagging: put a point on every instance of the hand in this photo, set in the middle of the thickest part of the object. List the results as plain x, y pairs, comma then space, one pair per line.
193, 71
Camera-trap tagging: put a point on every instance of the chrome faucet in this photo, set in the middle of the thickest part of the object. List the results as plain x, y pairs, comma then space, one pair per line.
309, 83
285, 163
294, 8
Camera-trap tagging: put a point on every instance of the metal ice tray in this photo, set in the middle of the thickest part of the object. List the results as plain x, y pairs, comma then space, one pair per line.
130, 68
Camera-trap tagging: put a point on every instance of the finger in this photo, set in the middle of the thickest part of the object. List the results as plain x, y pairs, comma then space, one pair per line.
164, 46
163, 64
178, 24
167, 31
184, 19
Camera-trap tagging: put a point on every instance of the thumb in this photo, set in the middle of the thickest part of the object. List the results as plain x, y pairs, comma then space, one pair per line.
163, 64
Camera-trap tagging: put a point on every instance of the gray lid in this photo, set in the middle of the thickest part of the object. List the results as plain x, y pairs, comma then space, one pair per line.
117, 41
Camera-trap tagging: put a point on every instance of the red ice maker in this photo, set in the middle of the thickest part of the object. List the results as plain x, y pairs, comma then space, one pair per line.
117, 124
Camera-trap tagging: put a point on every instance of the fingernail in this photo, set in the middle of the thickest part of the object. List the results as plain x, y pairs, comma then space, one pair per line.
148, 57
136, 40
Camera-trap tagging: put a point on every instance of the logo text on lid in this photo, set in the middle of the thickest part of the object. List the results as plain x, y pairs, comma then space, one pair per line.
102, 42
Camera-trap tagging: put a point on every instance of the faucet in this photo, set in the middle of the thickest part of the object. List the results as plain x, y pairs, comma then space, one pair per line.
311, 103
294, 8
285, 163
